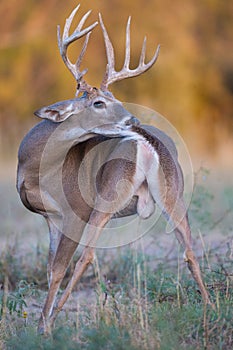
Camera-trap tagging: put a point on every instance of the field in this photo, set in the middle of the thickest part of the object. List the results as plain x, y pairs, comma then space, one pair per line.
137, 297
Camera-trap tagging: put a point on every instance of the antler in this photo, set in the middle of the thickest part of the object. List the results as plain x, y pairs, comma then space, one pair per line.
111, 75
66, 40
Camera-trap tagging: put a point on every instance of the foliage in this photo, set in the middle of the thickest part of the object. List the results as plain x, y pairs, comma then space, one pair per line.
16, 302
192, 82
107, 337
139, 303
172, 322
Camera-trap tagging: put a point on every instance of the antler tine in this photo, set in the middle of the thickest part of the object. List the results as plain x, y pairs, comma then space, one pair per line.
69, 20
83, 20
127, 44
148, 65
84, 48
111, 75
143, 53
67, 39
110, 69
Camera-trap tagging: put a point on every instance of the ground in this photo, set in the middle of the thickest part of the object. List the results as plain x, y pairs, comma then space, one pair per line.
136, 297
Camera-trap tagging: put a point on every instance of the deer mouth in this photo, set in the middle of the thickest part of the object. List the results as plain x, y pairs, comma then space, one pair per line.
132, 121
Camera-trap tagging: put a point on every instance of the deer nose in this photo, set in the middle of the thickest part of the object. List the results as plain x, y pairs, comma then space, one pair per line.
132, 121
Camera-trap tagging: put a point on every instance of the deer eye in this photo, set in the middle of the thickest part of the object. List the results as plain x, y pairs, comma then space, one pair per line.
99, 104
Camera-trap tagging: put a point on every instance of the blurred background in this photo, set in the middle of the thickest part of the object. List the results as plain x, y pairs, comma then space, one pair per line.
191, 84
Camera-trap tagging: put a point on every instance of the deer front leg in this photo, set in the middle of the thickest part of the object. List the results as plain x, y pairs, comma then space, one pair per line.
183, 235
170, 200
169, 196
176, 214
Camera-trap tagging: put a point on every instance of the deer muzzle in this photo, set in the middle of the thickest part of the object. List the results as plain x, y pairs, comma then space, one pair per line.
133, 121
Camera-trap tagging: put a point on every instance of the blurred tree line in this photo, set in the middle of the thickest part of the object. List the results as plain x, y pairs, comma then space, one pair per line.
191, 83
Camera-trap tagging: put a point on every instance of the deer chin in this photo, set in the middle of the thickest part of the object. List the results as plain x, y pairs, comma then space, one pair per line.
109, 130
122, 128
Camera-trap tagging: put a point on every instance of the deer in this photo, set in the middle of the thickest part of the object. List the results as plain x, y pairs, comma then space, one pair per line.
132, 169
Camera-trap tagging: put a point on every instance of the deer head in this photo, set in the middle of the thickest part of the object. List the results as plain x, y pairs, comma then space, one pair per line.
96, 110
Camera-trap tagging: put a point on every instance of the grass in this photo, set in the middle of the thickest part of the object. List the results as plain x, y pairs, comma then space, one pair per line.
157, 309
144, 299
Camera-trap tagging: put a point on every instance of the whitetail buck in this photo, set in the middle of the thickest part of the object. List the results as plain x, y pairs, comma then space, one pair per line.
137, 169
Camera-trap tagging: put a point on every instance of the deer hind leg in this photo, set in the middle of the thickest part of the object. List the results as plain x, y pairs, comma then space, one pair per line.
62, 249
112, 197
60, 263
54, 239
96, 223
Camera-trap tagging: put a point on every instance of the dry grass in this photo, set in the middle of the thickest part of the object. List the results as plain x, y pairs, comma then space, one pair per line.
137, 298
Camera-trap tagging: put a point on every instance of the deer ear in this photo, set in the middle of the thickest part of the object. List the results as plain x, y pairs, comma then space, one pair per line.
57, 112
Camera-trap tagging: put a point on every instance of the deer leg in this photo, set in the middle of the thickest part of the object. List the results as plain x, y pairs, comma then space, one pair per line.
96, 223
196, 273
183, 235
61, 260
54, 239
168, 194
113, 195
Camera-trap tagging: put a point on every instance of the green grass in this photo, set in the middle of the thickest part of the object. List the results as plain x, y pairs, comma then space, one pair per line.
144, 299
155, 310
